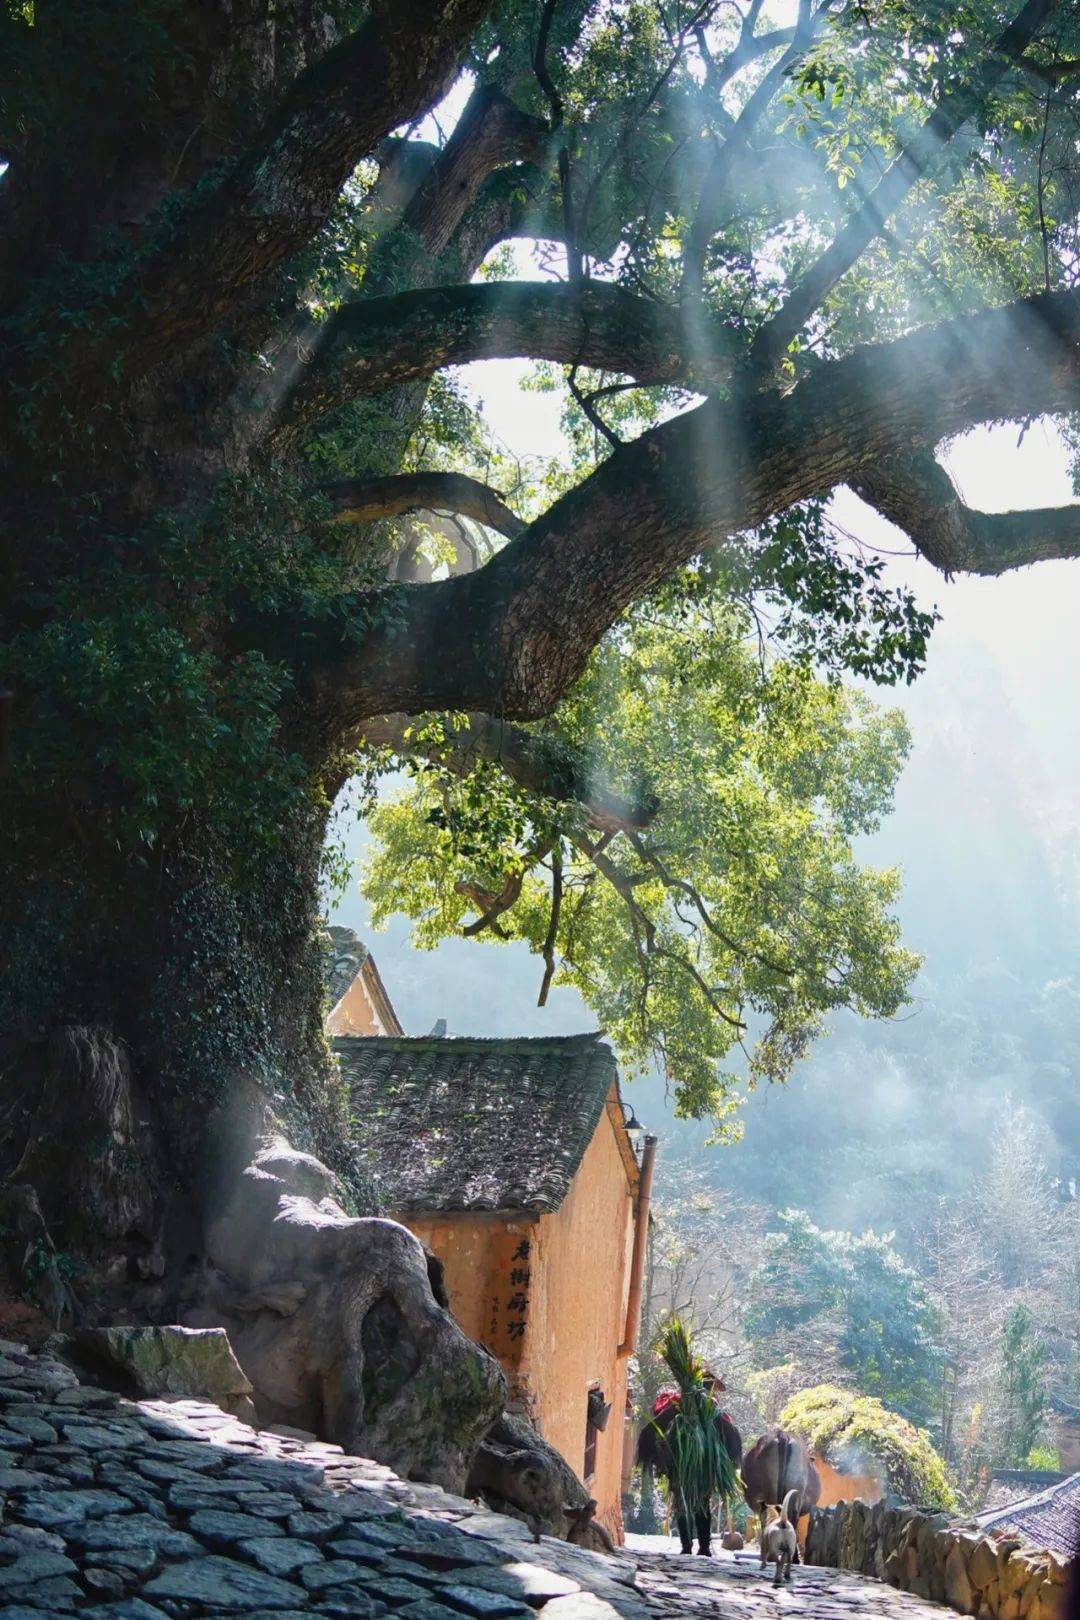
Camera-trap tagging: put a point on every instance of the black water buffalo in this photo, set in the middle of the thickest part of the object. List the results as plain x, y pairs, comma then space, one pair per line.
776, 1464
654, 1456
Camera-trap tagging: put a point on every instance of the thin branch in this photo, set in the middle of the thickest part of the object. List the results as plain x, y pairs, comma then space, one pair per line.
586, 403
1040, 183
630, 127
553, 922
540, 67
718, 178
681, 886
920, 157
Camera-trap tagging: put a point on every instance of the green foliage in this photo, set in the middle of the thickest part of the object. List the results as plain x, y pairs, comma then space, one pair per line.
124, 690
821, 1296
846, 1428
41, 1260
740, 912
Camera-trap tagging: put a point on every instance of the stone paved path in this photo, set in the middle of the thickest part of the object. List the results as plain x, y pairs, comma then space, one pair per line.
141, 1510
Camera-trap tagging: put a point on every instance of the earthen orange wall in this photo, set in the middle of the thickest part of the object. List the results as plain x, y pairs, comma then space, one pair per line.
359, 1011
837, 1487
579, 1314
547, 1295
489, 1270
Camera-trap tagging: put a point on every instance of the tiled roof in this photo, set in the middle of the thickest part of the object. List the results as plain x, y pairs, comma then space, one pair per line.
346, 954
1049, 1520
465, 1124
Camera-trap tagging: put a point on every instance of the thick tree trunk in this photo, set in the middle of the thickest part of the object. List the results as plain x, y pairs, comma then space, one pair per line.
166, 1096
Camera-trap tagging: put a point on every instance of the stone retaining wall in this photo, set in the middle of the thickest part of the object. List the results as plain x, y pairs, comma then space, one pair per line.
992, 1578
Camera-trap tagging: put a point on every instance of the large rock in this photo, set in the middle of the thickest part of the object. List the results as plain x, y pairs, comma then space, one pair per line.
194, 1362
335, 1322
518, 1472
983, 1564
959, 1593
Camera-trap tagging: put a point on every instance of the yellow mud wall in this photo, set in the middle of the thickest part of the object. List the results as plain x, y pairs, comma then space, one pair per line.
488, 1272
578, 1315
354, 1013
547, 1295
837, 1487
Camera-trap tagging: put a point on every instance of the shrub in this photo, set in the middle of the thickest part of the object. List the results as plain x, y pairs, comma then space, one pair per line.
839, 1423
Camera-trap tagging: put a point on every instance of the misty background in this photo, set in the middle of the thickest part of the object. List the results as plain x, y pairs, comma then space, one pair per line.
884, 1117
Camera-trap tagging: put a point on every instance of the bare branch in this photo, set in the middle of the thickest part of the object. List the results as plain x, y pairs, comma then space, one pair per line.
362, 500
916, 493
552, 935
540, 67
718, 178
586, 403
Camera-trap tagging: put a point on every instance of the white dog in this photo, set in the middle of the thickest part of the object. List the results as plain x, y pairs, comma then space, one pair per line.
779, 1543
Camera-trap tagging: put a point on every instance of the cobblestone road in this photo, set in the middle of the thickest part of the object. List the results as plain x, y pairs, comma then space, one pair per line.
142, 1510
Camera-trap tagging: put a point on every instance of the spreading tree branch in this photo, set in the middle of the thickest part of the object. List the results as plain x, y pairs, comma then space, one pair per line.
917, 494
277, 196
362, 500
512, 637
538, 762
374, 343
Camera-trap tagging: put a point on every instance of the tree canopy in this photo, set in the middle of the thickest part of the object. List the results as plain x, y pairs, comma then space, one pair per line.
252, 526
739, 916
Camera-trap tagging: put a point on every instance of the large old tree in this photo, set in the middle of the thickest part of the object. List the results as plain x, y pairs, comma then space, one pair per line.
791, 248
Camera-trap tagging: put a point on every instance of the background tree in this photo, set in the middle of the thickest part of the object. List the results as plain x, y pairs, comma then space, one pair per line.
1023, 1389
971, 1307
226, 282
856, 1432
834, 1302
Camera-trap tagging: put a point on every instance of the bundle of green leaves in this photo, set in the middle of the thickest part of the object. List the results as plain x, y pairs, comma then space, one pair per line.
701, 1469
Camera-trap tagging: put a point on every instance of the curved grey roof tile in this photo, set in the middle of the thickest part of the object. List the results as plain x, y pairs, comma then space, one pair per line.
468, 1124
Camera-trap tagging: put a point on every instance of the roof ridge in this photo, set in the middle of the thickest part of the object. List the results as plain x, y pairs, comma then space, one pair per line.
588, 1037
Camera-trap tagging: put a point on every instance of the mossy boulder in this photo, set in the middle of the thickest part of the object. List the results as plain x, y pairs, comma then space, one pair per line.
194, 1362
